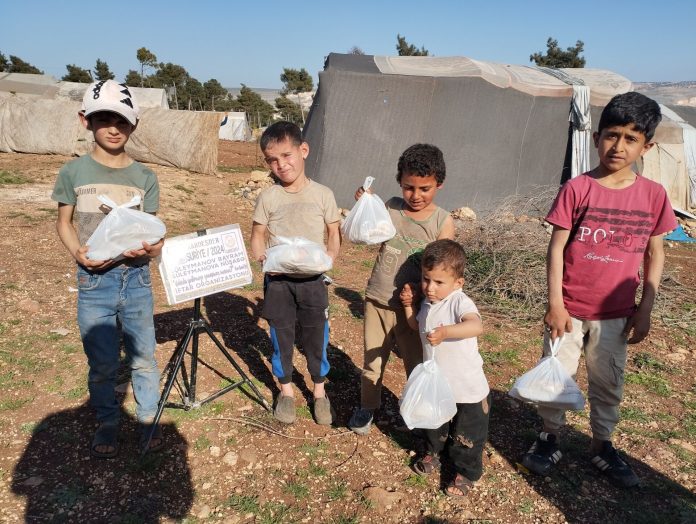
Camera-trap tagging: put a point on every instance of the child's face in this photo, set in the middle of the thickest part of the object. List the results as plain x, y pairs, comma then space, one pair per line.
439, 282
111, 130
418, 191
287, 161
618, 147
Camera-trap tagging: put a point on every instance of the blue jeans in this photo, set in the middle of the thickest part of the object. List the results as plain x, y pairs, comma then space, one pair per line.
122, 295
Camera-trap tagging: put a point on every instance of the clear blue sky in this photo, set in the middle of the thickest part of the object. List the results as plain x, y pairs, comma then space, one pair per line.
251, 41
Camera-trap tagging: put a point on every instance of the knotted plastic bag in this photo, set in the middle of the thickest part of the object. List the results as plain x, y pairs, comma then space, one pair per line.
549, 384
123, 229
427, 401
296, 255
368, 222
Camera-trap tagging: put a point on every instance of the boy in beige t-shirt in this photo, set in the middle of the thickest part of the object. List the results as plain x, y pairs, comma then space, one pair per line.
295, 207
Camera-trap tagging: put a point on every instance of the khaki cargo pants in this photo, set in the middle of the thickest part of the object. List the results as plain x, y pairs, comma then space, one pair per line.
605, 359
385, 328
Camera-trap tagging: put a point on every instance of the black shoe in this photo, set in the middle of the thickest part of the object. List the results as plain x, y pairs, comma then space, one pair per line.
543, 455
614, 467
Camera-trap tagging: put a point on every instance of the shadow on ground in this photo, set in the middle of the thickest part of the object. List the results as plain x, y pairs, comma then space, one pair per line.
576, 487
62, 483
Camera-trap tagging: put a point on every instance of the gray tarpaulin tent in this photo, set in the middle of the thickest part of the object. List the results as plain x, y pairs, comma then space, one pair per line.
503, 129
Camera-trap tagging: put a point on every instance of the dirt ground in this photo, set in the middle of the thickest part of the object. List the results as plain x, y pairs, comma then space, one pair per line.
229, 461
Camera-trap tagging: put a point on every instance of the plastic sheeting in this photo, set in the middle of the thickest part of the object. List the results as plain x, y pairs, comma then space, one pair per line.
234, 126
581, 121
182, 139
689, 139
497, 141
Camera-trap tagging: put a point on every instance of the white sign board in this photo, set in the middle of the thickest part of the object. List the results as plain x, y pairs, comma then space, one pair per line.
194, 265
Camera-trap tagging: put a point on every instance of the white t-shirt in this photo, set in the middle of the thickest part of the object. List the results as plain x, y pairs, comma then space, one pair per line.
458, 359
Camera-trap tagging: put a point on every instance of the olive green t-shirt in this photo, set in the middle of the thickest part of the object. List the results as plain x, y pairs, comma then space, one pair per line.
82, 180
398, 261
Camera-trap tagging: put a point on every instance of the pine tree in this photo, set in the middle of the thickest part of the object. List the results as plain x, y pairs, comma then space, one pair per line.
17, 65
296, 81
556, 58
102, 71
406, 49
146, 59
77, 74
257, 109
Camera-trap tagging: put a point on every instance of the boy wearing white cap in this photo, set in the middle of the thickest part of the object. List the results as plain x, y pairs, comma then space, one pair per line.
111, 293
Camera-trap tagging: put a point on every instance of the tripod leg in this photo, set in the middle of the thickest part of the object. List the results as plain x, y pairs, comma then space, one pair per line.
178, 360
243, 375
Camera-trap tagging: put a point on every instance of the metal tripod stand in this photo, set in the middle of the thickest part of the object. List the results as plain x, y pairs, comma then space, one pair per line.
176, 367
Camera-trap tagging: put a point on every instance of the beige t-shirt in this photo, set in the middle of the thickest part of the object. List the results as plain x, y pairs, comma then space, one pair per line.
302, 214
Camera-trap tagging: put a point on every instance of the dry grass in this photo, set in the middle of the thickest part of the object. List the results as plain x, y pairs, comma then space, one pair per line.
506, 267
506, 251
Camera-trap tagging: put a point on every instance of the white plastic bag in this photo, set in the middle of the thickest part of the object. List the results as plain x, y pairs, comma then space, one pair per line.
296, 255
549, 384
427, 401
123, 229
368, 222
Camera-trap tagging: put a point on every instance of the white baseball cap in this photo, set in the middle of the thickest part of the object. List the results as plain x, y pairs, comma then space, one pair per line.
109, 95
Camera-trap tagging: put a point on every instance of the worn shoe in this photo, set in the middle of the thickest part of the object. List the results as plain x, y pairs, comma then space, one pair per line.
543, 455
361, 421
322, 411
426, 465
614, 467
285, 409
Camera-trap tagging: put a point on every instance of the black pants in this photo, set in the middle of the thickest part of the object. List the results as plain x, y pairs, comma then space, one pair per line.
467, 433
306, 301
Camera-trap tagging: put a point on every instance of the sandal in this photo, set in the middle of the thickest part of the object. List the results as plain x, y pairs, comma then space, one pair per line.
426, 465
154, 442
461, 484
105, 436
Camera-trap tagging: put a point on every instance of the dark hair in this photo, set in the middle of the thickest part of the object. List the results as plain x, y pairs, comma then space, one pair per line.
280, 131
632, 108
445, 252
422, 160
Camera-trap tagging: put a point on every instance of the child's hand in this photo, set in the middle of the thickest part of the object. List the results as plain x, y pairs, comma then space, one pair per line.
437, 335
406, 296
148, 250
96, 265
557, 322
639, 323
360, 192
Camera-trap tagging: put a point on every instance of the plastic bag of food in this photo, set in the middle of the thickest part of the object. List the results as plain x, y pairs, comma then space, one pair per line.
123, 229
368, 222
427, 401
549, 384
297, 255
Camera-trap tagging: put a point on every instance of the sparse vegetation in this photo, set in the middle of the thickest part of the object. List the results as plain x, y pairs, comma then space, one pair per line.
272, 473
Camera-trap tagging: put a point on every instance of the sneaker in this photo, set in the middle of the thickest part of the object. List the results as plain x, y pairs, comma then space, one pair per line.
285, 409
543, 455
614, 467
322, 411
361, 421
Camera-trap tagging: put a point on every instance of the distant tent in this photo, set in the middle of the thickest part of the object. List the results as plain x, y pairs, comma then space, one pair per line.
146, 96
234, 126
672, 161
27, 85
39, 115
504, 129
